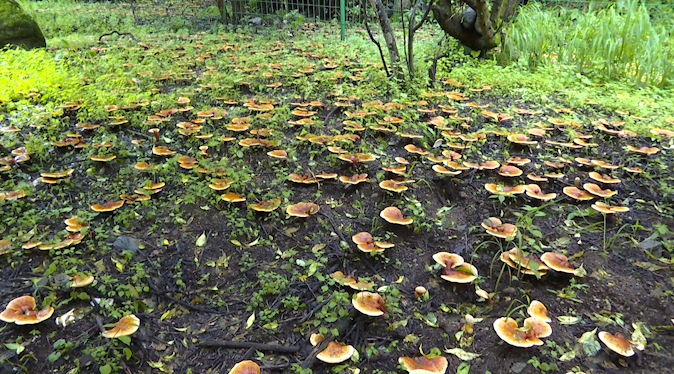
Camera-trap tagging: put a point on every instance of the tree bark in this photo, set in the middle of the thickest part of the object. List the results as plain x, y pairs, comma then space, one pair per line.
389, 38
451, 24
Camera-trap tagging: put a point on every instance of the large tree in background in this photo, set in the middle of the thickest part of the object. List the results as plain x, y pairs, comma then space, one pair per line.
474, 23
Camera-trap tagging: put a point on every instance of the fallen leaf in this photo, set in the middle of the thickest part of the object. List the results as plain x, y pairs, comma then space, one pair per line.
463, 355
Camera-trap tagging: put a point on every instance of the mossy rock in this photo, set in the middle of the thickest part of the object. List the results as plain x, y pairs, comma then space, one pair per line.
17, 28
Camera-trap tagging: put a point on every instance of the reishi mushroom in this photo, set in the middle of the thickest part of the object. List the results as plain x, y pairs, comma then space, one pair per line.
617, 343
245, 367
369, 303
394, 215
424, 365
21, 311
126, 326
528, 336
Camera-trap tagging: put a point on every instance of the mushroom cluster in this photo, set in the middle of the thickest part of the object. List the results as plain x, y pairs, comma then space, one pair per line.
455, 270
533, 328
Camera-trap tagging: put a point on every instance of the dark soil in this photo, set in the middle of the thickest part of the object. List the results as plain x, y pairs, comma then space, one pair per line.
185, 306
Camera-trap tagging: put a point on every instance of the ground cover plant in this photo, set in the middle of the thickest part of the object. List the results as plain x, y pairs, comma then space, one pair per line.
207, 201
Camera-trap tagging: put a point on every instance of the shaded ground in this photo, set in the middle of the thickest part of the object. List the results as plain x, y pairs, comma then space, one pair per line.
190, 294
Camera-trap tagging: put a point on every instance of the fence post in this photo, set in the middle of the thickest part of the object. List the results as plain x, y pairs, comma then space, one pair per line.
342, 18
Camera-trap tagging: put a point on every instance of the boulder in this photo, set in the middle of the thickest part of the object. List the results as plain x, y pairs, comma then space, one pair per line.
17, 28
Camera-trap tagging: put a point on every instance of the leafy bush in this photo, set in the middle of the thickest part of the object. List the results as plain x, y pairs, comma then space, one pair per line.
619, 41
22, 72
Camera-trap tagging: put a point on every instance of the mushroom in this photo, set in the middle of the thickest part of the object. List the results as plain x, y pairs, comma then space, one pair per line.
351, 281
521, 139
354, 179
366, 243
644, 150
126, 326
245, 367
617, 343
304, 179
424, 365
108, 206
487, 165
369, 303
558, 262
420, 291
22, 311
302, 210
528, 336
524, 262
519, 161
455, 270
504, 190
233, 197
509, 171
394, 215
161, 150
534, 191
266, 206
279, 154
597, 191
79, 281
538, 310
336, 352
392, 185
443, 170
609, 209
411, 148
577, 194
220, 184
603, 178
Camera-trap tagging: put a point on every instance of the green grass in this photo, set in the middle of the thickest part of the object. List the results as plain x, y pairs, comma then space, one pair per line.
619, 42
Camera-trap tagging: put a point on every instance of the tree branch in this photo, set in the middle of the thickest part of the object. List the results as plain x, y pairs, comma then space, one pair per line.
369, 33
258, 346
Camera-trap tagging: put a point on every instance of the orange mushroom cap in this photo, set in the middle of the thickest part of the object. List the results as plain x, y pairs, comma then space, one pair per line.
617, 343
22, 311
644, 150
443, 170
464, 273
534, 191
538, 310
233, 197
447, 259
107, 206
424, 365
302, 209
279, 153
354, 179
126, 326
392, 185
369, 303
266, 206
245, 367
504, 190
411, 148
603, 178
394, 215
558, 262
577, 194
509, 171
528, 336
336, 352
609, 209
79, 281
597, 191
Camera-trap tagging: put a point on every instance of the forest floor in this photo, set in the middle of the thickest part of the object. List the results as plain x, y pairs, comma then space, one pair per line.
204, 275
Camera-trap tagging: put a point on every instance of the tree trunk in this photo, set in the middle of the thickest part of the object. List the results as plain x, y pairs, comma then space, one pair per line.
389, 38
450, 22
